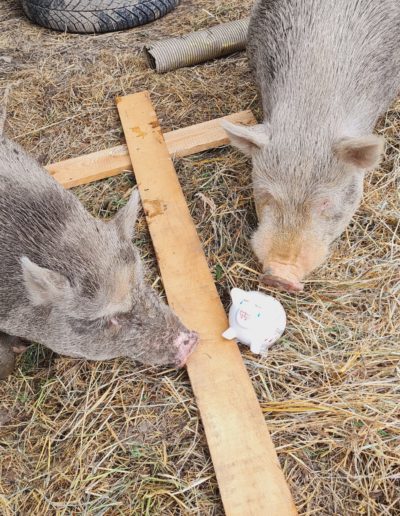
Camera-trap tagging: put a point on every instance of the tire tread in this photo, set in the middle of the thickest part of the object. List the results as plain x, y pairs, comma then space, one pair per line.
95, 16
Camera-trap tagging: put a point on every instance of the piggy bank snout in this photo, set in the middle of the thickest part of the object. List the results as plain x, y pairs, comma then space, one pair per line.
244, 318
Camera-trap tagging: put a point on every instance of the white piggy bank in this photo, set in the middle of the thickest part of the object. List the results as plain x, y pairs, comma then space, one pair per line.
255, 319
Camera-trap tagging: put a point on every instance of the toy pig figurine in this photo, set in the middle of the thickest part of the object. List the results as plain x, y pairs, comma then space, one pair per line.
255, 319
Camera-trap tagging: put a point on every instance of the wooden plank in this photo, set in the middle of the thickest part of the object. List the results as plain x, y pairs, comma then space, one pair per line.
111, 162
91, 167
203, 136
249, 476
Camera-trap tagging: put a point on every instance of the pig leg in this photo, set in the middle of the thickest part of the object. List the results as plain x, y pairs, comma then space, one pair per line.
9, 347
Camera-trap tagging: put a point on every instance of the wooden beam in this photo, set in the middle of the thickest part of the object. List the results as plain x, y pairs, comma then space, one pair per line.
111, 162
249, 476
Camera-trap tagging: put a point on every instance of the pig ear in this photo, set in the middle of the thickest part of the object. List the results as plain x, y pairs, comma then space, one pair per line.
126, 217
237, 295
43, 285
246, 139
363, 152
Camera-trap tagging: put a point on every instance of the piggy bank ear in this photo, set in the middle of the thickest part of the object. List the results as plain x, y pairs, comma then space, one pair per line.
246, 139
43, 286
237, 295
363, 152
125, 219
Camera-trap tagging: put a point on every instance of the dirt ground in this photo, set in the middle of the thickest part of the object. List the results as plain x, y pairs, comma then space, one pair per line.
118, 438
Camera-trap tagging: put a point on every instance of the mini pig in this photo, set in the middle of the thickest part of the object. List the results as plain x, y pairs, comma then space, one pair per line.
71, 282
325, 70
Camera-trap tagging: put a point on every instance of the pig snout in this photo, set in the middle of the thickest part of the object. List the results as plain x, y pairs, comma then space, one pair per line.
282, 276
185, 344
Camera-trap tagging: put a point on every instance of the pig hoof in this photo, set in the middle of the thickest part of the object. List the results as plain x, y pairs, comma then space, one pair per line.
9, 347
19, 346
7, 362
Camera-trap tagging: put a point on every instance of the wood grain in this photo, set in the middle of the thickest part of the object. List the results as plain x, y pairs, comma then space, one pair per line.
249, 476
111, 162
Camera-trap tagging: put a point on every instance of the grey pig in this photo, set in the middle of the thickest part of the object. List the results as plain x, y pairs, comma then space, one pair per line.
71, 282
325, 70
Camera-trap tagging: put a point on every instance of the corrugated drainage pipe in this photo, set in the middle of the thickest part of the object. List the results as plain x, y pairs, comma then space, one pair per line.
197, 47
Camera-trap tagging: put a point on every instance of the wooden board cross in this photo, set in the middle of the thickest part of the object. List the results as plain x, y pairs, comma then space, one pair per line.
249, 476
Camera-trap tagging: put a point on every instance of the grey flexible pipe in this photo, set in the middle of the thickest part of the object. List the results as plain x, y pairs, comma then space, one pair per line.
197, 47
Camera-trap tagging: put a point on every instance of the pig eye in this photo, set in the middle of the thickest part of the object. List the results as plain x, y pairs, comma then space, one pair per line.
327, 209
264, 198
114, 322
324, 207
331, 214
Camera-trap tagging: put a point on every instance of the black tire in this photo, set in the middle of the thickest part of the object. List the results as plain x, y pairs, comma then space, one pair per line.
89, 16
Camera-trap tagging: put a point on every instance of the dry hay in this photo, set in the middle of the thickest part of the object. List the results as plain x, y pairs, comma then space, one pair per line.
113, 438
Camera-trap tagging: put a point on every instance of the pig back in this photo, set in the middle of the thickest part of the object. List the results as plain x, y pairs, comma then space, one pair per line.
334, 58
